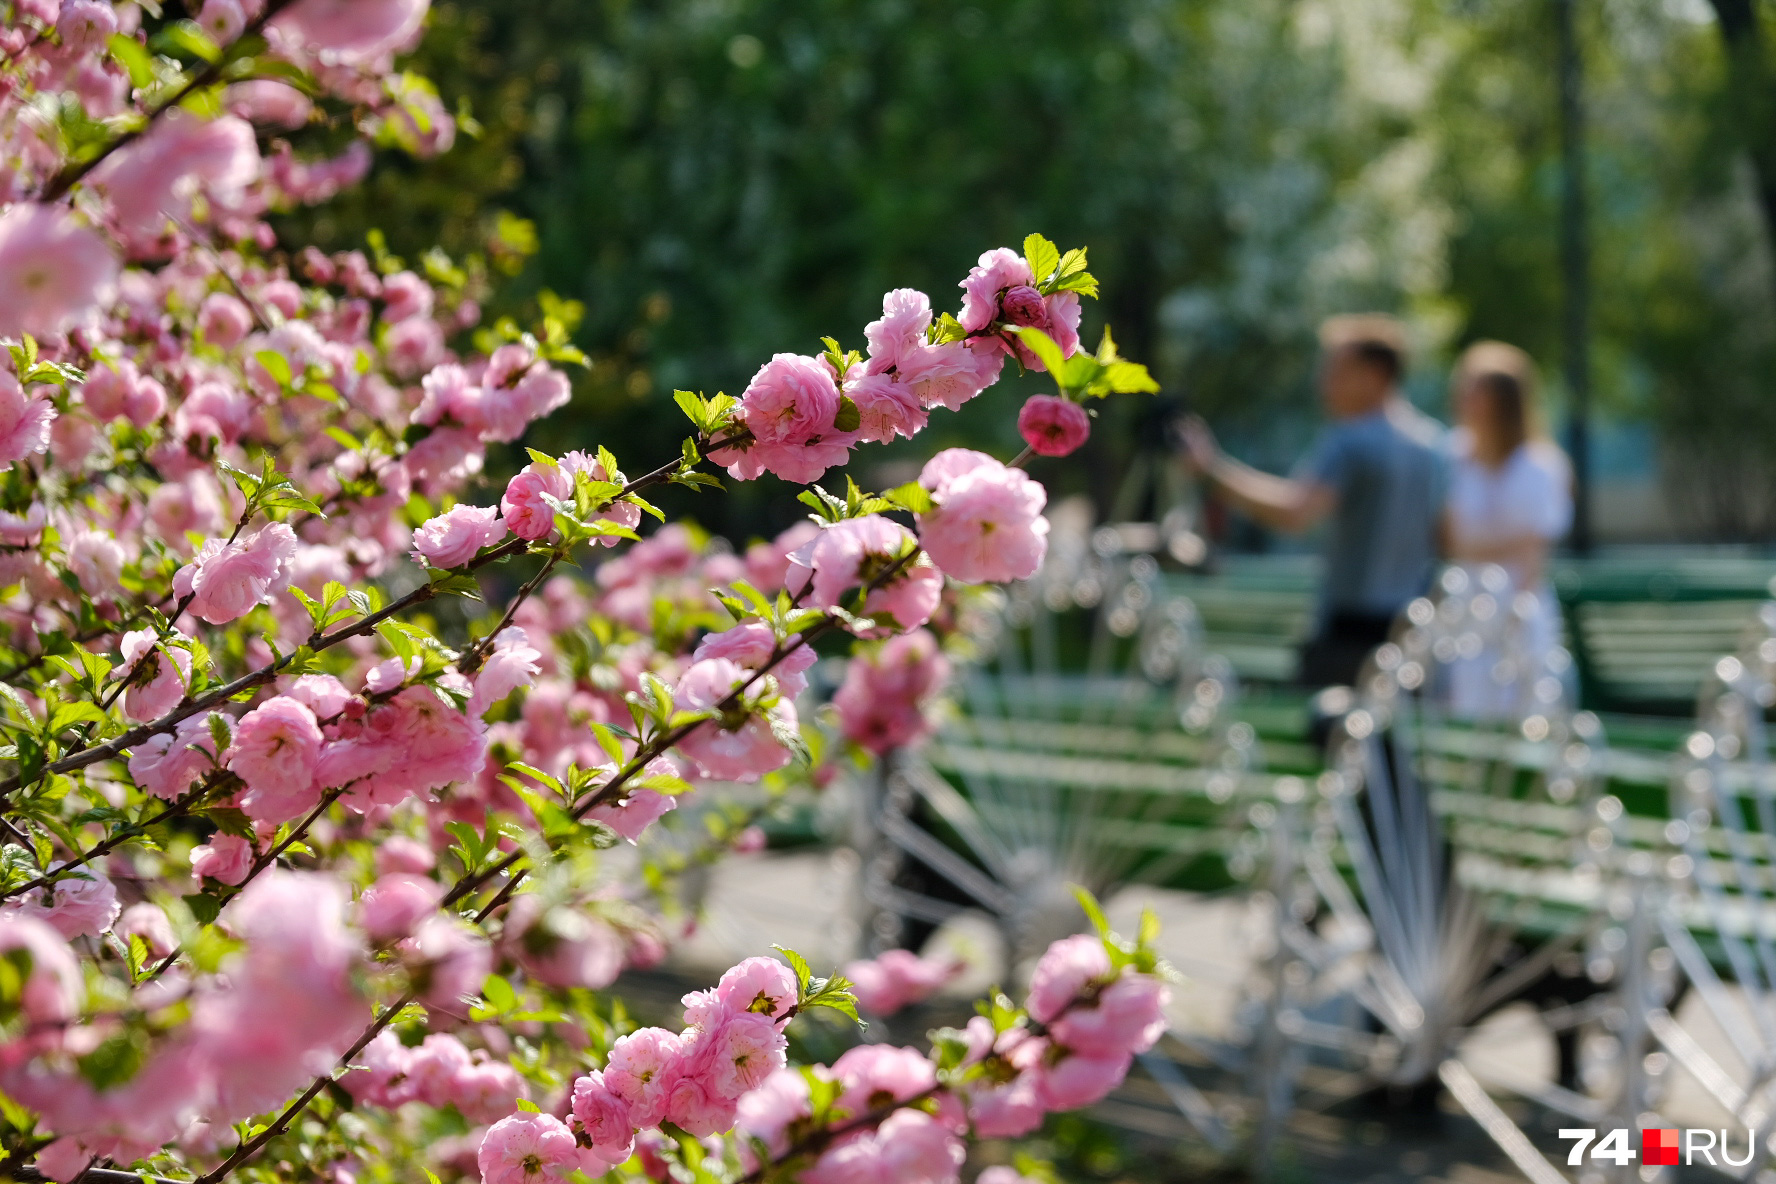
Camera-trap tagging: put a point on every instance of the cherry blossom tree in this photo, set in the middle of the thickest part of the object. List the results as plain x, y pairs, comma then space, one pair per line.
302, 838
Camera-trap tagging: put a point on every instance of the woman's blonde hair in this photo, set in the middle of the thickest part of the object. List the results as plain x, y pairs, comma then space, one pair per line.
1509, 376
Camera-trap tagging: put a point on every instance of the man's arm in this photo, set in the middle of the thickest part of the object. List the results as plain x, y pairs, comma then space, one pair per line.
1281, 503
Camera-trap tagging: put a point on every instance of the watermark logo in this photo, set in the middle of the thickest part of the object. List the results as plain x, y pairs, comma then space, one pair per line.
1662, 1147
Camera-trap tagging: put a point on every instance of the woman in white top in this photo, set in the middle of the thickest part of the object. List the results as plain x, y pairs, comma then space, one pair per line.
1510, 501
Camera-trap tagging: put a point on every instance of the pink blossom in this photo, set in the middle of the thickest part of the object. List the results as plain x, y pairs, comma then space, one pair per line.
158, 675
53, 990
398, 853
227, 579
24, 423
168, 764
694, 1104
510, 665
897, 979
81, 903
762, 985
747, 749
268, 101
873, 1075
379, 1073
885, 408
275, 751
639, 809
525, 1148
883, 701
909, 1146
413, 346
638, 1072
949, 375
225, 858
789, 408
449, 960
485, 1090
285, 1008
323, 694
750, 644
1127, 1016
1077, 1080
604, 1117
767, 564
906, 315
528, 512
1063, 972
224, 21
740, 1052
52, 270
562, 946
148, 921
987, 523
85, 25
507, 411
767, 1112
405, 295
998, 270
1053, 426
22, 530
96, 559
1000, 1174
457, 535
152, 180
434, 1067
224, 320
415, 743
1007, 1111
905, 602
396, 903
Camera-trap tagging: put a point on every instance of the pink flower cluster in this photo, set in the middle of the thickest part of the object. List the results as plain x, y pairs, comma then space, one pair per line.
1001, 291
1096, 1018
526, 504
863, 550
285, 1009
986, 523
790, 410
438, 1071
384, 744
888, 693
731, 1044
896, 979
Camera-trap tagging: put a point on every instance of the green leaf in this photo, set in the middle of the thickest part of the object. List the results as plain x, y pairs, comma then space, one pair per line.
848, 418
499, 994
798, 964
528, 1106
204, 907
912, 497
1043, 257
275, 365
1126, 378
131, 55
696, 409
190, 37
115, 1060
947, 329
1094, 912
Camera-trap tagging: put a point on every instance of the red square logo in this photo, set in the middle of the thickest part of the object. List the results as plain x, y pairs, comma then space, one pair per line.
1658, 1148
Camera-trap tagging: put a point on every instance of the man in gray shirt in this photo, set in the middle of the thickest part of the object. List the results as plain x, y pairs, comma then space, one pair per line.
1377, 473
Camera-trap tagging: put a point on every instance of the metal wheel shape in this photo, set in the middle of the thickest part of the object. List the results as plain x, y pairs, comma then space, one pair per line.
1717, 922
1447, 867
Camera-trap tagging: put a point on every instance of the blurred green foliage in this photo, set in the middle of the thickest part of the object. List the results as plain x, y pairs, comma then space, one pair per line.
719, 180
